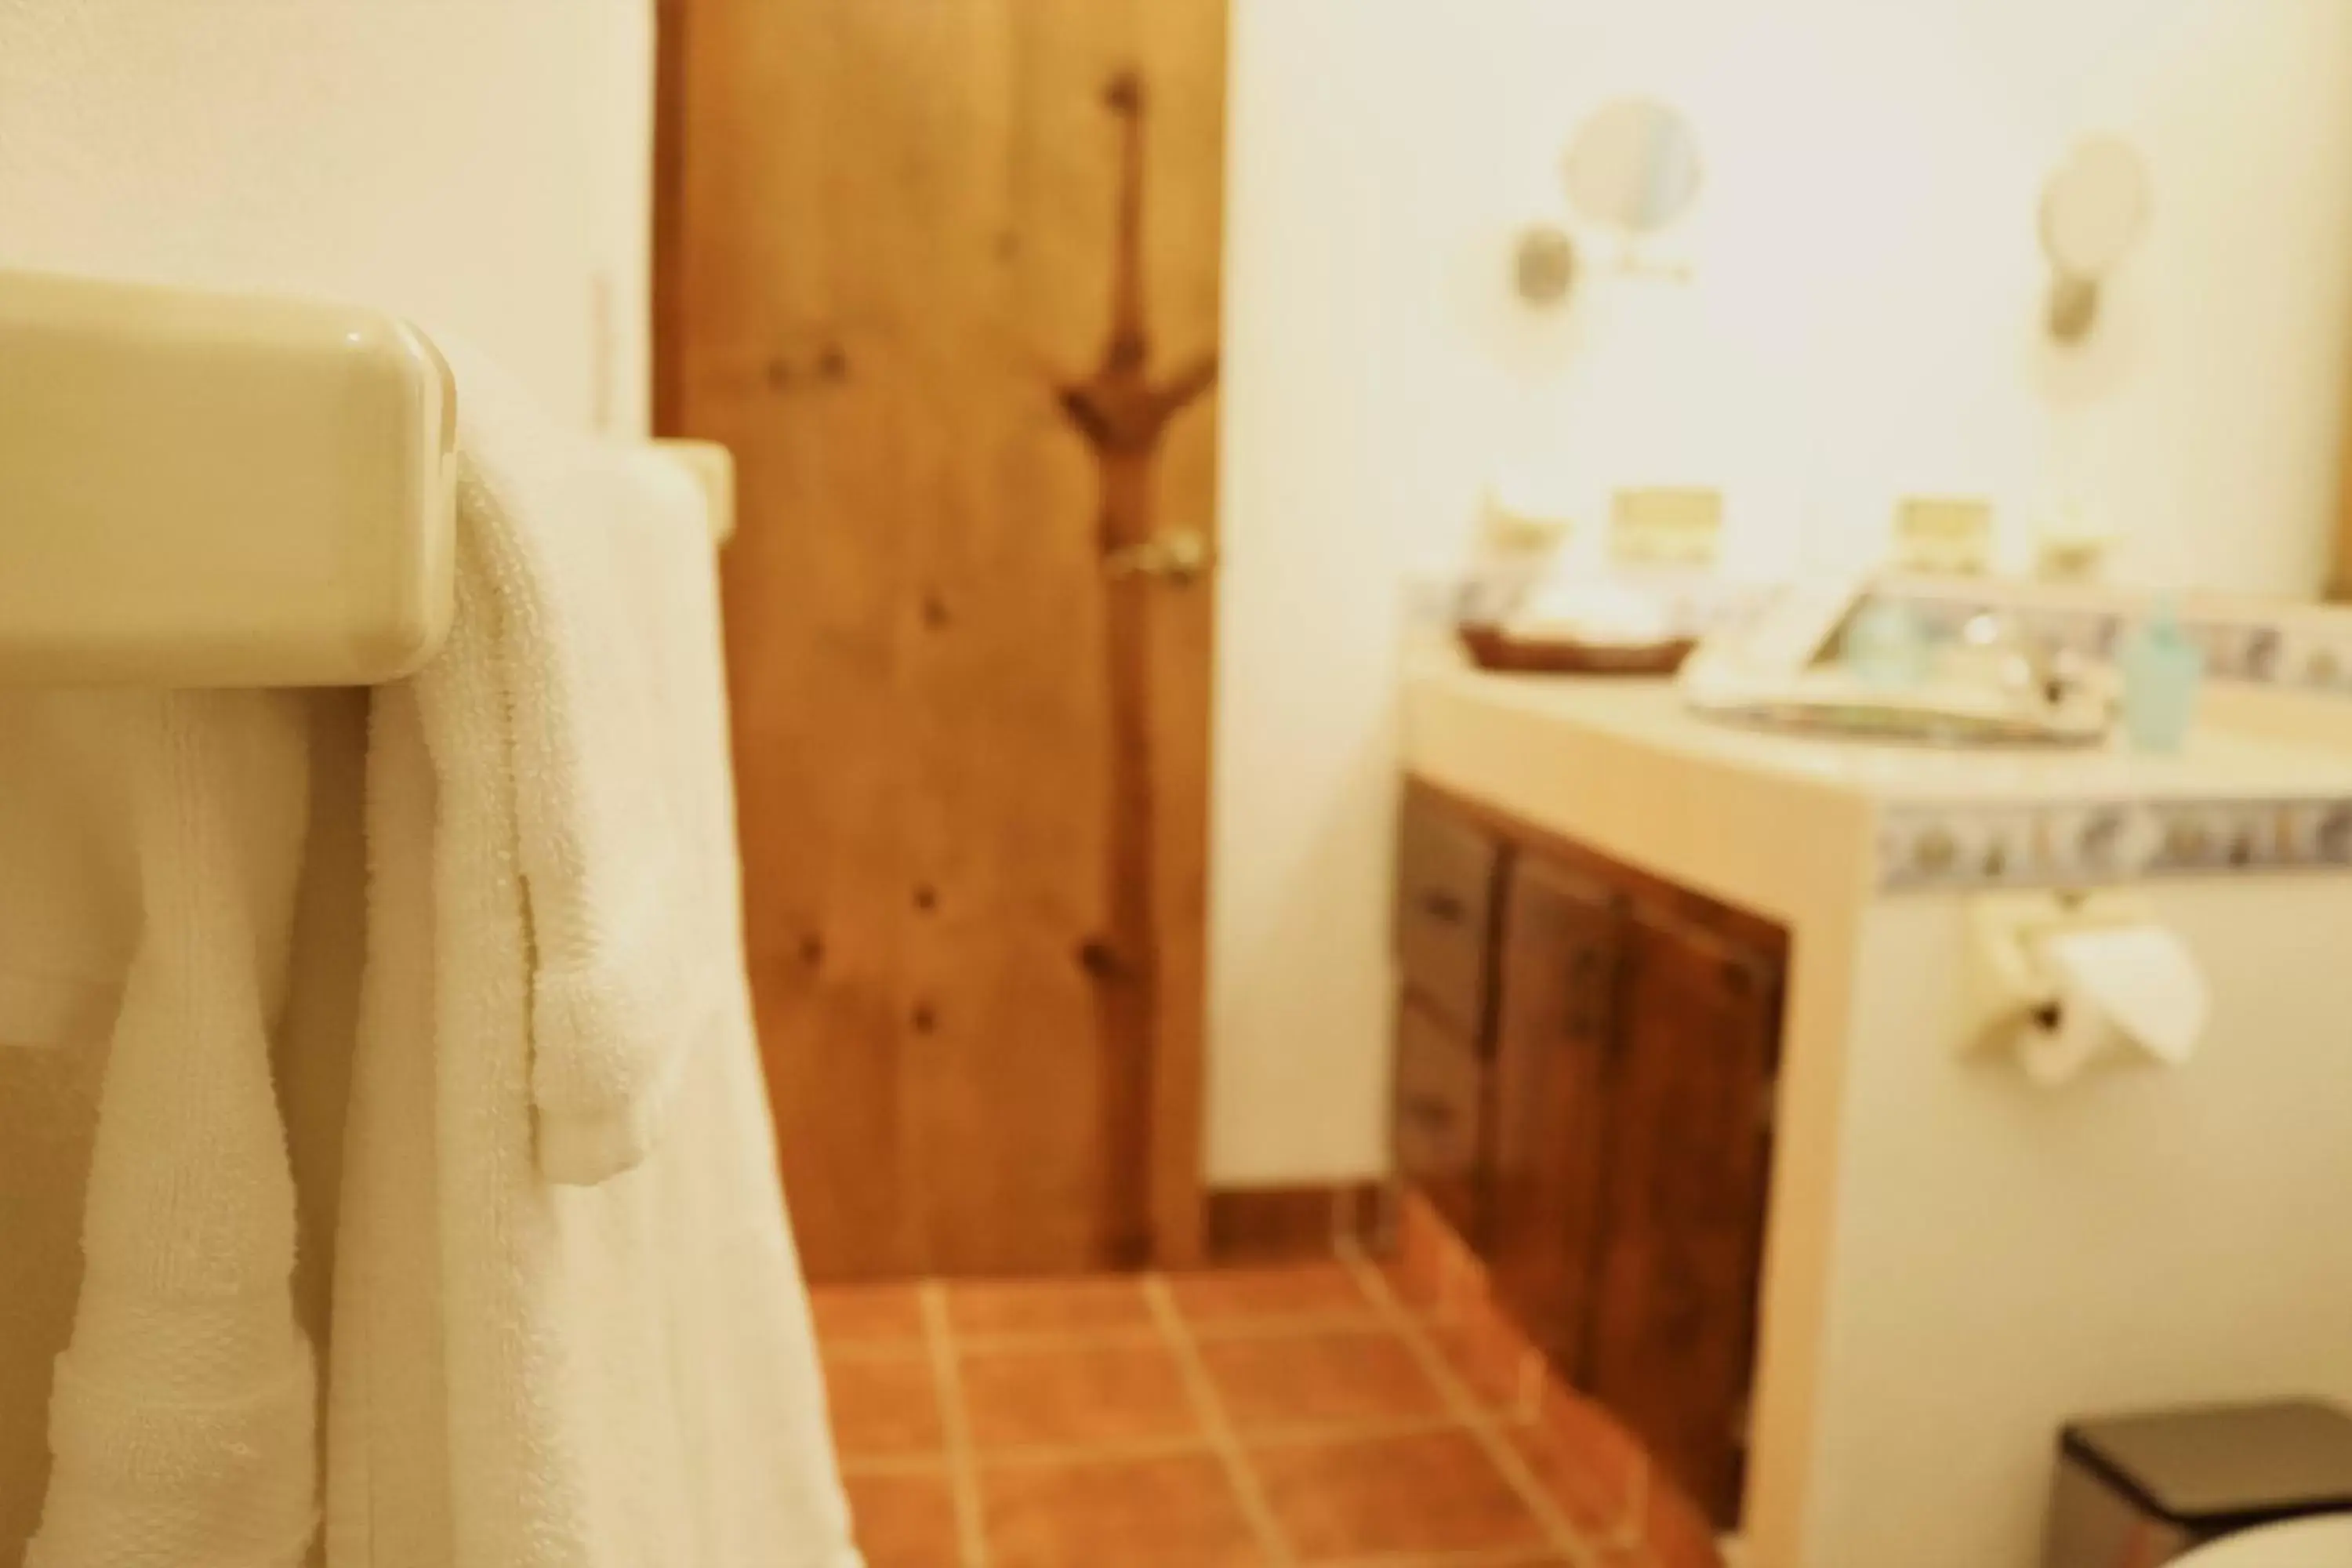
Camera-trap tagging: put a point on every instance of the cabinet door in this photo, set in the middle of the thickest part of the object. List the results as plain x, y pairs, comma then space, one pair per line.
1671, 1345
1563, 938
1441, 1117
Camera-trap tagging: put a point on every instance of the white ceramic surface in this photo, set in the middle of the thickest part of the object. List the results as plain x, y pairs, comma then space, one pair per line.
713, 468
218, 489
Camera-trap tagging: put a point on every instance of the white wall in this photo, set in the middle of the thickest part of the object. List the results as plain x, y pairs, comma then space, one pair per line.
2007, 1258
481, 166
1862, 322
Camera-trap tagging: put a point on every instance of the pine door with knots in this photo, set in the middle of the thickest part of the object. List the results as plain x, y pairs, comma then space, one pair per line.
944, 275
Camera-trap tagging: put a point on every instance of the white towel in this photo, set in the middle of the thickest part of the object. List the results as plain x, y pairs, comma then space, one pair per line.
594, 567
558, 1133
181, 1418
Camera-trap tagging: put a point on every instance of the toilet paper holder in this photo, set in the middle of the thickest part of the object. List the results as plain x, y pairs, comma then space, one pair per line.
2008, 987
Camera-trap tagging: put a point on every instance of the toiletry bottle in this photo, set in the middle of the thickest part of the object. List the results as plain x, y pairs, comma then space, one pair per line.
2161, 669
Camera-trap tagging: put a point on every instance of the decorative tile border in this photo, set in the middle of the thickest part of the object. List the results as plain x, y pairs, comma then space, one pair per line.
1943, 846
1965, 844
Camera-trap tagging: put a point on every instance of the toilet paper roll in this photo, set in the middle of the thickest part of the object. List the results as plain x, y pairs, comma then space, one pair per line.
2121, 991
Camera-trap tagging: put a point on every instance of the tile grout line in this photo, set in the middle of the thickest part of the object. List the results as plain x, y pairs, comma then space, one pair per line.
1306, 1433
1460, 1274
955, 1436
1271, 1325
1633, 1529
1474, 1557
1563, 1538
1222, 1441
894, 1464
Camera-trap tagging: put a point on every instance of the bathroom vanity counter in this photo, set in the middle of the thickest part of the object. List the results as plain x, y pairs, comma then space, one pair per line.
1650, 713
1626, 766
1956, 1262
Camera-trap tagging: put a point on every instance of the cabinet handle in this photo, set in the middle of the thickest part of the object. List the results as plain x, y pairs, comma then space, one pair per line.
1444, 907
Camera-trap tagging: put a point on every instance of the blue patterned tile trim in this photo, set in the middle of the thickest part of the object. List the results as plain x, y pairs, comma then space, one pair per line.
1925, 847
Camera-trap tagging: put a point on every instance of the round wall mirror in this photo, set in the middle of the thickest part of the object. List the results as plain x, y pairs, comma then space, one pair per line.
2094, 211
1633, 166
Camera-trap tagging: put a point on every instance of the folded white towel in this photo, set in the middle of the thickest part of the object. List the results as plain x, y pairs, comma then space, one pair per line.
558, 1133
181, 1418
593, 567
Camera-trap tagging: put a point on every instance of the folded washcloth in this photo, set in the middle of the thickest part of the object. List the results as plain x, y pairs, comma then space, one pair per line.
183, 1416
594, 574
569, 1326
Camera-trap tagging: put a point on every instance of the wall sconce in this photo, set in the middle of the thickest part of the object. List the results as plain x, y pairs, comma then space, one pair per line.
2094, 210
1634, 168
1544, 265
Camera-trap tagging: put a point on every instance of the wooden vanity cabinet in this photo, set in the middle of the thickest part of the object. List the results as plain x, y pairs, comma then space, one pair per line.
1634, 1043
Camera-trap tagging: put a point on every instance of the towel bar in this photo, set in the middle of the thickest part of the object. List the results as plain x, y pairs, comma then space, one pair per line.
215, 490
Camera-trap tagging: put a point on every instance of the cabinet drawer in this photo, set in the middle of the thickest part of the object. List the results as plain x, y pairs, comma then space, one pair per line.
1441, 1117
1446, 869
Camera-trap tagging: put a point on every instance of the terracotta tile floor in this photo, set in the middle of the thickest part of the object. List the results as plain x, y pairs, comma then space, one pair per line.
1301, 1416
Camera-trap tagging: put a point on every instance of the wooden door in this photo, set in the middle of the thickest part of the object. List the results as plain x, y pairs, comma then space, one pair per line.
1670, 1348
1563, 935
944, 275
